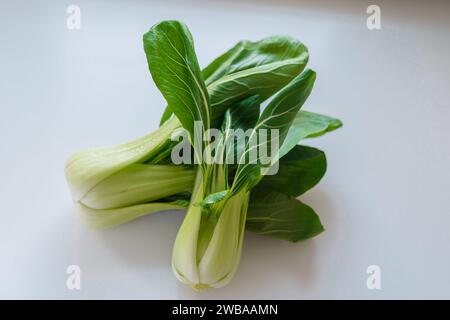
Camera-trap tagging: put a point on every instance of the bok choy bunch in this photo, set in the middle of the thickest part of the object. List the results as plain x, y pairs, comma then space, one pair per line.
117, 184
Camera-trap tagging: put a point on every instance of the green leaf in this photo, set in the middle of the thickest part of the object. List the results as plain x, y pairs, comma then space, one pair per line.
240, 119
236, 123
282, 110
166, 115
212, 199
252, 68
174, 67
279, 114
263, 79
299, 170
308, 125
246, 55
278, 215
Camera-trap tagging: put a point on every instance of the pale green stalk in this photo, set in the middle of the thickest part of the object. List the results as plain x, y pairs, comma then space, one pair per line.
208, 245
109, 218
139, 183
85, 169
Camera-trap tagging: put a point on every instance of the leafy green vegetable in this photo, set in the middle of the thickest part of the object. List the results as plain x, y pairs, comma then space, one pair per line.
117, 184
209, 242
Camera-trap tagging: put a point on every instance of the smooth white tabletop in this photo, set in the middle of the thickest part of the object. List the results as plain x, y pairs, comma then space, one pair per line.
384, 200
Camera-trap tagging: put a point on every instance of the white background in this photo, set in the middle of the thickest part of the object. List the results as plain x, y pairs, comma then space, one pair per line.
383, 201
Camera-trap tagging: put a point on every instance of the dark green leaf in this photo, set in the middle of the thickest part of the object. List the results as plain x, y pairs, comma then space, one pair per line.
236, 123
173, 64
244, 120
299, 170
212, 199
166, 115
279, 114
278, 215
308, 125
252, 68
247, 54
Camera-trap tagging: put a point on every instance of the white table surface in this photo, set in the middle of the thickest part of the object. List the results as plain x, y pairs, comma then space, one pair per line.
384, 200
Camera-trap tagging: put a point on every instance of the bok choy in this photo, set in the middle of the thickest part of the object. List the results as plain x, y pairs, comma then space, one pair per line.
256, 191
